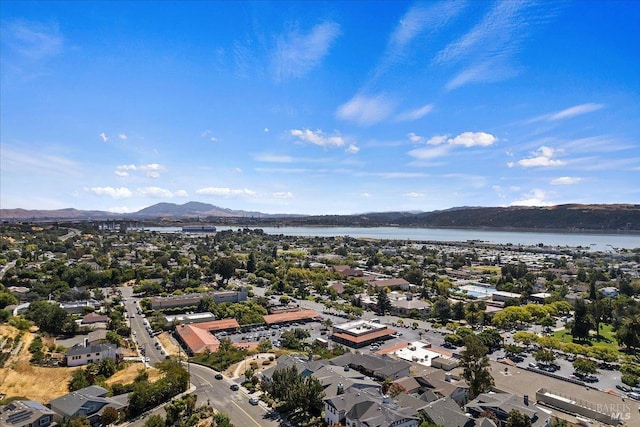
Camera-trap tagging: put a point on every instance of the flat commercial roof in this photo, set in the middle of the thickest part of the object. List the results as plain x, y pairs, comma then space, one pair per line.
364, 337
219, 325
291, 316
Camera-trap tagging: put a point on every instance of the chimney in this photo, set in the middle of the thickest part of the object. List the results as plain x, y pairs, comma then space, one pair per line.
386, 399
340, 388
526, 400
447, 377
86, 342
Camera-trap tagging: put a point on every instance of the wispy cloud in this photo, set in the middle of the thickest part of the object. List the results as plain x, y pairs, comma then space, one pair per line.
543, 157
366, 110
122, 136
416, 114
37, 162
273, 158
392, 175
566, 180
114, 193
103, 137
296, 53
413, 195
283, 195
417, 22
33, 40
225, 192
535, 197
317, 137
486, 49
154, 192
567, 113
181, 193
352, 149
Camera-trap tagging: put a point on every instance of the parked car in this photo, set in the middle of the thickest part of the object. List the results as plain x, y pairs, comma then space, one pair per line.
633, 395
254, 401
235, 387
219, 376
623, 388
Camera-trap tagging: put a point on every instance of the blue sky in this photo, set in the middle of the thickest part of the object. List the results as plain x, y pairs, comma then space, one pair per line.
319, 107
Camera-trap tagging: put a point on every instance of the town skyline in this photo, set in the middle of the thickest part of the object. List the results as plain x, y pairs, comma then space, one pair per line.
310, 109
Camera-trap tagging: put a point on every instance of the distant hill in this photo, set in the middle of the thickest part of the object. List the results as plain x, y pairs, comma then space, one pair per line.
614, 217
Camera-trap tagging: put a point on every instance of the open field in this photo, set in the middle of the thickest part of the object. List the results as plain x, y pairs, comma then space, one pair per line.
35, 383
168, 344
132, 370
607, 337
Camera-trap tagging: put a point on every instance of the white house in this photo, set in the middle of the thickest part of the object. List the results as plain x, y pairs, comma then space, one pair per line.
82, 355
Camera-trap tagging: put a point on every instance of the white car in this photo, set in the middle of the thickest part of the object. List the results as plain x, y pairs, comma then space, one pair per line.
254, 401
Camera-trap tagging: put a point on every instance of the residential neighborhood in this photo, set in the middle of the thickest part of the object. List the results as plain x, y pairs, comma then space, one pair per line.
151, 327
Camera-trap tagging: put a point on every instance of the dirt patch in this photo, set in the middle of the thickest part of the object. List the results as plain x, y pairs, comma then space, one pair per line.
8, 331
35, 383
128, 374
237, 369
169, 346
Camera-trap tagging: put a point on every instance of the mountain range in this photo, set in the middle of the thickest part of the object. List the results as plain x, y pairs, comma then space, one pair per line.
610, 217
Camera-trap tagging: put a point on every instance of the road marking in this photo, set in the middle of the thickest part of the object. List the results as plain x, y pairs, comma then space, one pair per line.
202, 379
245, 412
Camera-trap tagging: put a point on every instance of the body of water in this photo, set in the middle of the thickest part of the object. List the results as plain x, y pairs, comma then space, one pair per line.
605, 242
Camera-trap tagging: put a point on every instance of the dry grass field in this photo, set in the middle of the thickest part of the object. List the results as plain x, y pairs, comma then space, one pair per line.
168, 344
20, 378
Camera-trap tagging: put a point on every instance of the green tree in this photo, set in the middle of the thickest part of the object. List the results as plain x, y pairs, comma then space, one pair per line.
78, 380
251, 263
441, 309
7, 299
584, 365
383, 303
475, 365
582, 322
518, 419
628, 332
109, 415
81, 421
155, 421
544, 356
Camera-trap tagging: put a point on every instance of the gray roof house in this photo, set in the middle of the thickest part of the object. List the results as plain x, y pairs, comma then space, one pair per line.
89, 402
25, 413
374, 366
361, 408
304, 366
503, 403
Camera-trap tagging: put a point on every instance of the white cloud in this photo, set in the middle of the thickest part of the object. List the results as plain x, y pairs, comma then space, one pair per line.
154, 192
487, 48
115, 193
37, 162
429, 153
416, 114
413, 137
213, 139
317, 137
414, 195
121, 174
437, 139
126, 167
535, 197
225, 192
392, 175
352, 149
273, 158
296, 54
575, 111
237, 170
153, 170
565, 180
542, 158
283, 195
33, 40
266, 130
181, 193
366, 110
122, 136
365, 196
103, 136
473, 139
